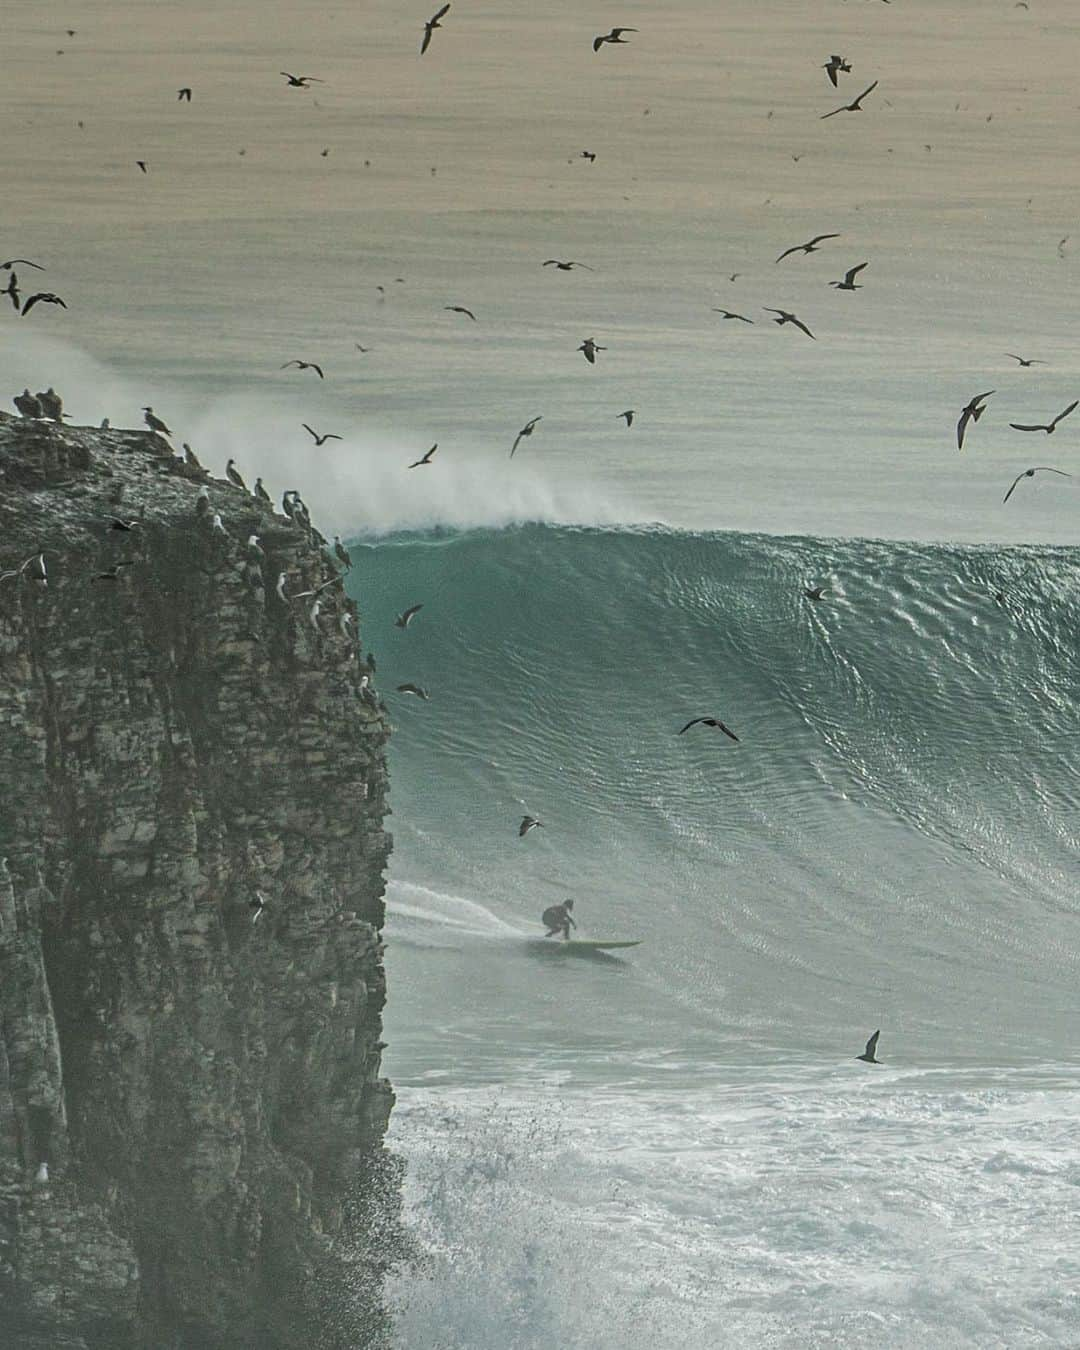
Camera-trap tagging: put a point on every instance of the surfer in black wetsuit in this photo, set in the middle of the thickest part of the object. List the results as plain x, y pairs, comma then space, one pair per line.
558, 920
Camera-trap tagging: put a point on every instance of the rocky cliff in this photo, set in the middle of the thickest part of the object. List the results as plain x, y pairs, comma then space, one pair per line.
202, 1089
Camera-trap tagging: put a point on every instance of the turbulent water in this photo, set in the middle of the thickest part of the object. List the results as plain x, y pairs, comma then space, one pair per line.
679, 1148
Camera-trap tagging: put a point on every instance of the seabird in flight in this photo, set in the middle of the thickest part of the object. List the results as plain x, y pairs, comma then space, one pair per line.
11, 290
629, 415
19, 262
425, 459
142, 165
305, 365
709, 722
183, 95
1033, 362
1048, 428
616, 35
849, 283
1030, 473
300, 81
257, 905
232, 473
728, 314
785, 317
528, 823
430, 27
813, 592
320, 440
811, 247
404, 619
567, 266
589, 349
46, 298
854, 106
126, 526
155, 423
589, 155
526, 430
460, 309
973, 410
413, 689
834, 64
871, 1045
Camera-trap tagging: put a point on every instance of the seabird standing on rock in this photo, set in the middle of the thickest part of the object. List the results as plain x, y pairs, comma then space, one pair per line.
254, 546
41, 1176
313, 614
190, 458
528, 823
709, 722
52, 405
27, 404
155, 423
257, 905
232, 473
871, 1045
261, 494
1030, 473
202, 502
403, 620
218, 524
972, 410
341, 553
526, 430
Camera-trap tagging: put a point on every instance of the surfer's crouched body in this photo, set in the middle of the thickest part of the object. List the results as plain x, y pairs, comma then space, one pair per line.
557, 919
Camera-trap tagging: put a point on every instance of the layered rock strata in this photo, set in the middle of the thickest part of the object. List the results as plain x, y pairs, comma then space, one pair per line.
202, 1090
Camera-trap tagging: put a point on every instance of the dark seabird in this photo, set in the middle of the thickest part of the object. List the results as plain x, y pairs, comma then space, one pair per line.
813, 592
616, 35
142, 165
19, 262
202, 502
155, 423
358, 347
403, 620
1033, 362
287, 506
320, 440
589, 155
261, 493
183, 95
341, 553
811, 247
589, 350
52, 405
849, 283
113, 573
973, 410
1030, 473
12, 290
785, 317
1022, 426
629, 415
190, 458
304, 365
123, 526
834, 64
709, 722
526, 430
300, 81
27, 404
426, 459
232, 473
46, 298
413, 689
871, 1045
460, 309
727, 314
854, 106
429, 28
567, 266
528, 823
257, 905
33, 569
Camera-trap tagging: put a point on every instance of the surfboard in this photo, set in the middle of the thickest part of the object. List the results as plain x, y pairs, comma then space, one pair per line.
582, 945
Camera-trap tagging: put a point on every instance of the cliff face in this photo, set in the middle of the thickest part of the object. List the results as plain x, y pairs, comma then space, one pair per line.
204, 1090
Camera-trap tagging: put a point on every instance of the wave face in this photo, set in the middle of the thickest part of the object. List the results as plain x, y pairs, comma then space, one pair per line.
892, 843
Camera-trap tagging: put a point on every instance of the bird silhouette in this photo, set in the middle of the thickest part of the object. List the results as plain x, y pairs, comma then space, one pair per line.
526, 430
1049, 427
727, 314
183, 95
460, 309
528, 823
425, 459
1030, 473
849, 283
834, 64
567, 266
300, 81
810, 247
406, 616
854, 106
616, 35
871, 1045
709, 722
785, 317
628, 415
1033, 362
589, 349
305, 365
320, 440
430, 27
42, 297
973, 410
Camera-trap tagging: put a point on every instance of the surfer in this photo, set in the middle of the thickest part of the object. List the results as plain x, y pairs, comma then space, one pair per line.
558, 919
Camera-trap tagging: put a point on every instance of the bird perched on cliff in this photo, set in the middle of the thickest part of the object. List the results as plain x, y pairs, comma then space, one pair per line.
155, 423
589, 349
403, 620
254, 547
191, 459
202, 502
261, 494
526, 430
280, 588
305, 365
710, 722
344, 623
257, 904
42, 297
287, 507
218, 524
313, 614
52, 405
430, 26
27, 404
41, 1176
232, 473
425, 459
528, 823
616, 35
341, 553
413, 689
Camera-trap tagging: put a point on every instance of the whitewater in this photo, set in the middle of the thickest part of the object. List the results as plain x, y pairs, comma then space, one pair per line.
678, 1148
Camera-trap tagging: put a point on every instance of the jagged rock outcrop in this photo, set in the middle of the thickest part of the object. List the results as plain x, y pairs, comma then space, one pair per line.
204, 1090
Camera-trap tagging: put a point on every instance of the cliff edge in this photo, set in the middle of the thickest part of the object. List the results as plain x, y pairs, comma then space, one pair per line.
191, 1107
